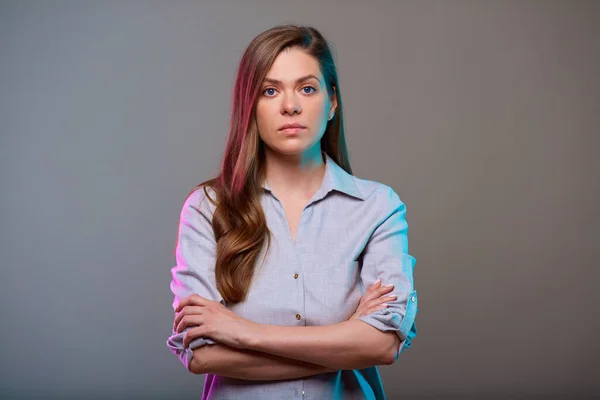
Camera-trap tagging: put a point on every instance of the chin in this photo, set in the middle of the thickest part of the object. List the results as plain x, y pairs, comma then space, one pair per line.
293, 146
291, 150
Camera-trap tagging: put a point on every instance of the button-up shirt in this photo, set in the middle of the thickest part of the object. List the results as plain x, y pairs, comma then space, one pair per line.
351, 233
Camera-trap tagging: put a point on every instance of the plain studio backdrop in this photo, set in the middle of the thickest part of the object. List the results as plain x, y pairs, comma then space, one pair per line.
483, 115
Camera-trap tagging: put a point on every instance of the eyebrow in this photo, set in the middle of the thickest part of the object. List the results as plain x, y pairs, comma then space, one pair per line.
301, 79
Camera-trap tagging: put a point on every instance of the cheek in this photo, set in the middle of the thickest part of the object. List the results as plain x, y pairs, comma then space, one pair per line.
316, 116
262, 119
317, 111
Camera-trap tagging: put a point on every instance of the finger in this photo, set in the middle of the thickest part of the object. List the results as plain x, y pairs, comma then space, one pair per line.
192, 334
187, 321
376, 292
385, 289
380, 300
386, 298
375, 285
192, 300
187, 310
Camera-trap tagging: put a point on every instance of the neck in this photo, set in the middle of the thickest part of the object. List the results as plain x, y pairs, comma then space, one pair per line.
295, 174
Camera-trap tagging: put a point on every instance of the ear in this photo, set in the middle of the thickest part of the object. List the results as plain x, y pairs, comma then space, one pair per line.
334, 102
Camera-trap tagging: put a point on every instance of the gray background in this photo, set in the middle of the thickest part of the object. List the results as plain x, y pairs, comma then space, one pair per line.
483, 115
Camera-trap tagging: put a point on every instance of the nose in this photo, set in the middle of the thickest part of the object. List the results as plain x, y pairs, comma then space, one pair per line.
290, 105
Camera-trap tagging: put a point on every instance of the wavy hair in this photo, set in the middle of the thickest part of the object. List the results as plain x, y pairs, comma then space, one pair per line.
238, 221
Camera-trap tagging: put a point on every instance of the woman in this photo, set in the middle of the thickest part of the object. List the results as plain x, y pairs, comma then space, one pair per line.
274, 254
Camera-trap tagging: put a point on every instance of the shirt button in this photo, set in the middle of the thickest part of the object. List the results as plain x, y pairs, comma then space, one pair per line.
412, 298
295, 276
298, 316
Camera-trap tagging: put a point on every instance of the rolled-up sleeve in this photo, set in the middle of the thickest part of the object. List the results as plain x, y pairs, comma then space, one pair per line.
386, 257
195, 265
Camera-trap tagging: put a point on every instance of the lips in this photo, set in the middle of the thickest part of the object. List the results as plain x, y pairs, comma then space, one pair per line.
291, 126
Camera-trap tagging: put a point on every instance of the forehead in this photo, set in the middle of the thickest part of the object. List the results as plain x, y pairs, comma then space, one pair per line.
292, 64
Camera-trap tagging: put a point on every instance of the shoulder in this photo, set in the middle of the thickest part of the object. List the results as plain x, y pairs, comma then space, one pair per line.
384, 205
201, 200
378, 194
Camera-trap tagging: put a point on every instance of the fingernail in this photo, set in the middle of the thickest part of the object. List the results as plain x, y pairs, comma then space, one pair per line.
378, 281
388, 285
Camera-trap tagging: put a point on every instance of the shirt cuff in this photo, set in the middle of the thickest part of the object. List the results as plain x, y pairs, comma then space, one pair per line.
175, 344
391, 319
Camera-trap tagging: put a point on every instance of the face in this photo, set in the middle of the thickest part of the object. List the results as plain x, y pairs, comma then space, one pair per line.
294, 92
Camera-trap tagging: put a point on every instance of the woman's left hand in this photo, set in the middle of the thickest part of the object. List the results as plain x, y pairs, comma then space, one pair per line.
207, 318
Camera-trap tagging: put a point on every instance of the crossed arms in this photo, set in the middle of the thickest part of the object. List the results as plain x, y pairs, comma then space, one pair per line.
285, 352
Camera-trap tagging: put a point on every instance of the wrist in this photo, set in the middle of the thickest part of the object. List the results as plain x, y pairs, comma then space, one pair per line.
251, 335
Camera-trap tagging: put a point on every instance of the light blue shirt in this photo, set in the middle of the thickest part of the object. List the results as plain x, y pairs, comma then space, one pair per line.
351, 233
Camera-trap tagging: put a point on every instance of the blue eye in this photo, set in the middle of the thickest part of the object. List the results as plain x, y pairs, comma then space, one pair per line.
270, 94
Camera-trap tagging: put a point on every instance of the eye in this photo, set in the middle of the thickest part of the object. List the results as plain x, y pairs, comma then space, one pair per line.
267, 89
270, 92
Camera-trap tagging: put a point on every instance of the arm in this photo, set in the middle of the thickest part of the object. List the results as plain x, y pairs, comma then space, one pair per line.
346, 345
194, 273
369, 340
194, 269
250, 365
386, 257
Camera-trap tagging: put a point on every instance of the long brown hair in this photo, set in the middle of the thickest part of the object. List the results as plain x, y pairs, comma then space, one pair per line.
238, 222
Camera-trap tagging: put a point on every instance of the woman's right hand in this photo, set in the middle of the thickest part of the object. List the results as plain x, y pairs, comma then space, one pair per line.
373, 300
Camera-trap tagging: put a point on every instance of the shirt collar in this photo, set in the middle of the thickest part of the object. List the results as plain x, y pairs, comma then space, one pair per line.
336, 178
